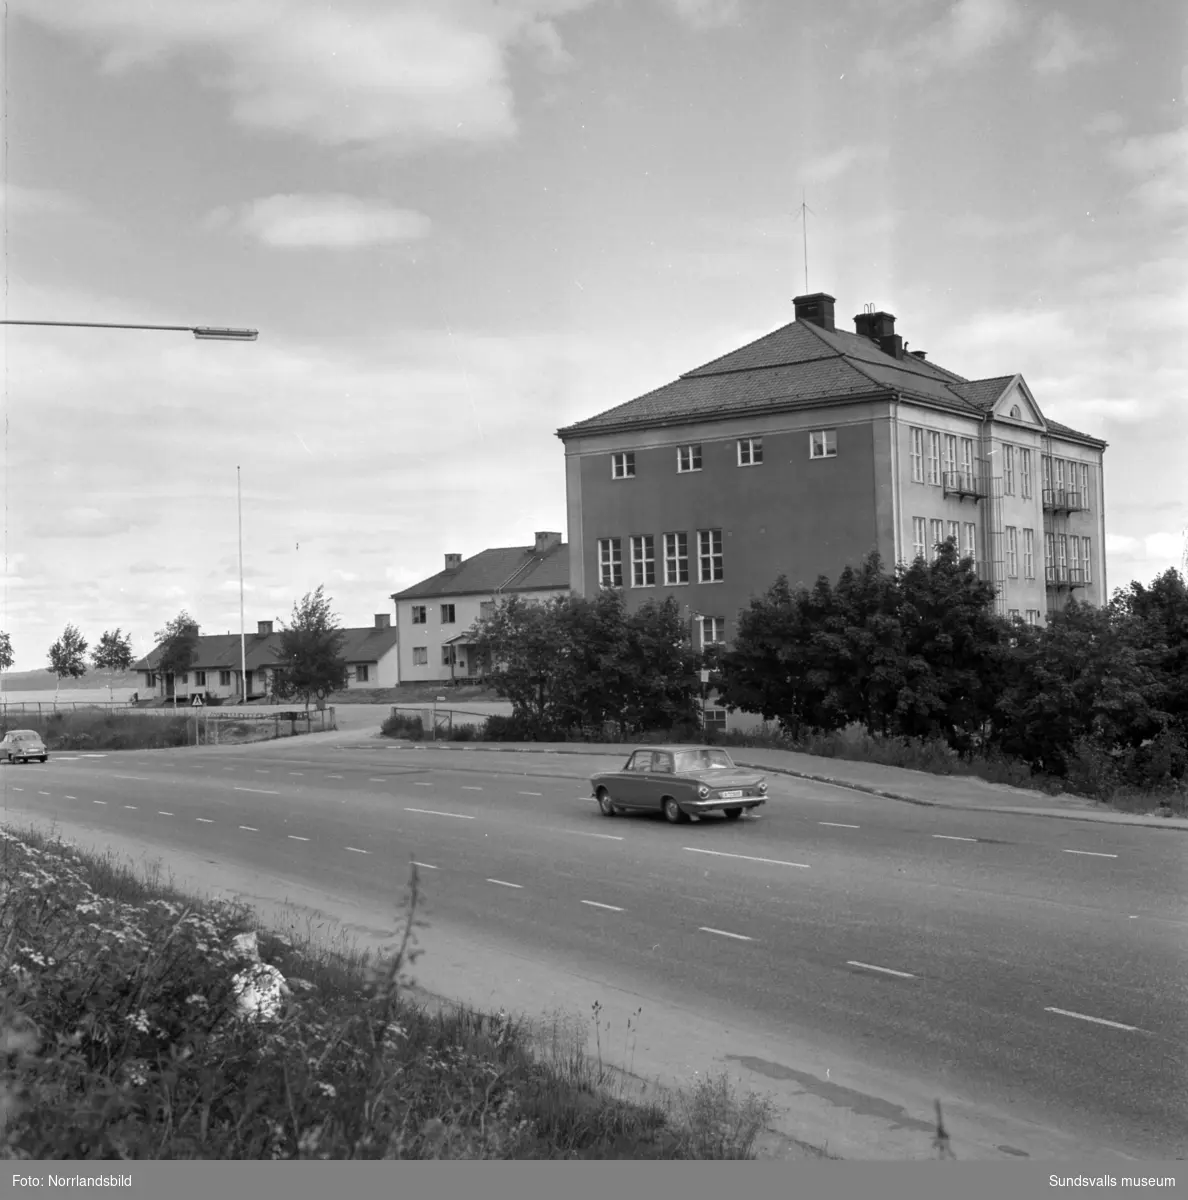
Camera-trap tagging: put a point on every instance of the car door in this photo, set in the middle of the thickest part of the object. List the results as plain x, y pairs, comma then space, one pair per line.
631, 783
659, 779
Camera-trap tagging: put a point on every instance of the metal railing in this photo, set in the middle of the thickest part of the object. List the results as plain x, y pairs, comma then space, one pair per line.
1068, 500
964, 484
1064, 577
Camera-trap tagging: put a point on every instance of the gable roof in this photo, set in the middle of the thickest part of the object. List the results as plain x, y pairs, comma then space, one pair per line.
221, 651
799, 365
504, 569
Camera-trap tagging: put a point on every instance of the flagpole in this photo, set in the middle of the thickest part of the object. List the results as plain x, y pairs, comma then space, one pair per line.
242, 634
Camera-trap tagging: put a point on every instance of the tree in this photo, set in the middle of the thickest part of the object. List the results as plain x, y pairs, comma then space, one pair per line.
6, 659
310, 663
177, 644
68, 657
113, 653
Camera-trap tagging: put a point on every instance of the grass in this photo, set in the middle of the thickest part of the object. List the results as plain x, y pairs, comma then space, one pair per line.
125, 1039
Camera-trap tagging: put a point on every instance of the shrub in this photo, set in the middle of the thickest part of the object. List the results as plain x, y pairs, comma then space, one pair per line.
401, 725
516, 728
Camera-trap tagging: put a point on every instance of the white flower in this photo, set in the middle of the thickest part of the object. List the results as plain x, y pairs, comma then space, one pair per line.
139, 1020
327, 1089
198, 999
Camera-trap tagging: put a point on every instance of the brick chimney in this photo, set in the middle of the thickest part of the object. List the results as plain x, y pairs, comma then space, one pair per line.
880, 328
383, 620
546, 542
453, 562
263, 628
816, 308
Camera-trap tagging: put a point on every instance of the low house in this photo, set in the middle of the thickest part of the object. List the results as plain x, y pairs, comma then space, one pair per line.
433, 617
219, 660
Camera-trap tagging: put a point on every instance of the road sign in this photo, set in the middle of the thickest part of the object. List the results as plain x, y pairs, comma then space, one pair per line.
197, 701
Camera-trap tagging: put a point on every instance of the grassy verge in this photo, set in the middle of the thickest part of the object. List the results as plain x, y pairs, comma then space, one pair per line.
96, 729
124, 1039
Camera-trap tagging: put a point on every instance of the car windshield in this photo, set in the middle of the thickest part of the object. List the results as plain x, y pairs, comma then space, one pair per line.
702, 760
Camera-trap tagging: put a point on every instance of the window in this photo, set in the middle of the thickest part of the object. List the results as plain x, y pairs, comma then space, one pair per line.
715, 720
1008, 470
1085, 484
1028, 553
362, 674
420, 656
1033, 617
623, 465
1062, 554
967, 457
709, 556
1049, 552
224, 679
713, 630
1025, 474
1059, 464
447, 614
970, 549
200, 678
917, 455
934, 457
641, 762
1013, 613
418, 614
610, 562
1016, 413
951, 453
750, 452
448, 656
1046, 471
643, 561
953, 534
688, 458
1074, 558
1087, 558
823, 443
938, 536
1012, 547
486, 609
183, 678
919, 537
676, 558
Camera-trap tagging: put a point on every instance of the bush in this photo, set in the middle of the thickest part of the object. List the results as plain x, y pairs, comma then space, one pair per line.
97, 729
400, 725
516, 728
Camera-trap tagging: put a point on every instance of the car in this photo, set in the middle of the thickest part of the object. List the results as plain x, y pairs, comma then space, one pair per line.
22, 744
679, 781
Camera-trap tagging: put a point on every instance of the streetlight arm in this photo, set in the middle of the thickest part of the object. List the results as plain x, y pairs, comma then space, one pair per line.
202, 332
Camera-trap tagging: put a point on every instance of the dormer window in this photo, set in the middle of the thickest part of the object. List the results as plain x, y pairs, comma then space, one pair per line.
1016, 413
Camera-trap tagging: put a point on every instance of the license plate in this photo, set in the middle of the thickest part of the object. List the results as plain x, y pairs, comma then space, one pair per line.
731, 795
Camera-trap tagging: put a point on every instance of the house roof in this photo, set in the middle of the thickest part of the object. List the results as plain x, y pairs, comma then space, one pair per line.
799, 365
221, 651
504, 569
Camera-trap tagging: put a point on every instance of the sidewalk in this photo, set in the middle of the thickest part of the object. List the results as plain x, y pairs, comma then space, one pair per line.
893, 783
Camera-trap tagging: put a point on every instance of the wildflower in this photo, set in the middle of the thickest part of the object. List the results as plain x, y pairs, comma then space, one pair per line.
33, 956
136, 1074
140, 1021
197, 999
327, 1089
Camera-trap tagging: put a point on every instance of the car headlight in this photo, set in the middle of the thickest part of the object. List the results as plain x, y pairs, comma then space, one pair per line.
703, 792
762, 789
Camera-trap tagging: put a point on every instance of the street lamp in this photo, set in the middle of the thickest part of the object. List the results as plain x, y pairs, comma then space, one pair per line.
204, 333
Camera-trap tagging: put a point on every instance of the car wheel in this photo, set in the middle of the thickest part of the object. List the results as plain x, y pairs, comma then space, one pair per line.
45, 758
672, 811
605, 805
733, 814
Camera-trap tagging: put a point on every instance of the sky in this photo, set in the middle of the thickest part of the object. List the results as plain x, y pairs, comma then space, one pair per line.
462, 224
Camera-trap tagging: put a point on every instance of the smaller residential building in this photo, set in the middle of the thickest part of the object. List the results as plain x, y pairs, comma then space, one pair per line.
216, 672
433, 617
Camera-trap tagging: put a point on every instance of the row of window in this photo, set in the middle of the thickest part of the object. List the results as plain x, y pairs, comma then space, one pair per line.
749, 453
1068, 555
927, 533
420, 614
362, 675
674, 562
1068, 558
1033, 615
926, 455
1062, 475
420, 656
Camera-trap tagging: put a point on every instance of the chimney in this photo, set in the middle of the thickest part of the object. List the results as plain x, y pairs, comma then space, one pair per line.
383, 620
453, 562
263, 628
880, 328
920, 354
816, 309
546, 542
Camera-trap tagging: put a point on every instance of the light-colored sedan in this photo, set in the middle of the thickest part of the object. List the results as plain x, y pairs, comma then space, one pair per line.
679, 781
20, 745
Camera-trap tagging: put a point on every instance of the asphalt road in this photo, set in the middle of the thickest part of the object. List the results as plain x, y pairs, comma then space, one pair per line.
1031, 964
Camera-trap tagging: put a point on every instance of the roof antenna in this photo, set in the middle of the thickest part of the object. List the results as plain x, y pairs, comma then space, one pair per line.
803, 211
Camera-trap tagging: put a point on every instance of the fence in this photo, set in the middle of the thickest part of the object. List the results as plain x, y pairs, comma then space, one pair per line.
45, 707
437, 721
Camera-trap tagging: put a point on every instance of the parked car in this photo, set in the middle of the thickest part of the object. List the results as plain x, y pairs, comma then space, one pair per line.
23, 744
679, 781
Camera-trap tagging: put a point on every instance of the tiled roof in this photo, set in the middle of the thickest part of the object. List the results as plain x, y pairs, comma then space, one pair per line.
221, 651
507, 568
982, 393
1067, 431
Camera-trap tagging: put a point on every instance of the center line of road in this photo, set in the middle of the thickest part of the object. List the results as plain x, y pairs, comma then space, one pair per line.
250, 828
204, 820
16, 789
43, 793
609, 907
162, 813
470, 788
424, 866
741, 937
504, 883
776, 862
378, 779
422, 783
333, 776
839, 825
294, 838
71, 797
885, 970
610, 837
432, 812
948, 837
356, 850
131, 806
531, 793
258, 791
98, 801
1064, 1012
296, 772
1091, 853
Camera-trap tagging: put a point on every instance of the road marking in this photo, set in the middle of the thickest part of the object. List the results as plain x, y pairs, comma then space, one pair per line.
741, 937
885, 970
948, 837
1091, 853
333, 776
609, 907
777, 862
839, 825
258, 791
141, 778
610, 837
71, 797
294, 838
424, 866
422, 783
131, 806
16, 789
296, 772
63, 758
92, 756
432, 812
250, 828
263, 771
204, 820
504, 883
162, 813
1064, 1012
356, 850
531, 793
98, 801
470, 788
43, 793
378, 779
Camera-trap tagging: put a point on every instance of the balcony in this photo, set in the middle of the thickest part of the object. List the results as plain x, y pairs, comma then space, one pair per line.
963, 485
1064, 500
1062, 578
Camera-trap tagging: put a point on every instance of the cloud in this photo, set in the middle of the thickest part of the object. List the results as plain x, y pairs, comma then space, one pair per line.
982, 228
400, 74
19, 201
1105, 123
147, 567
82, 522
968, 30
706, 14
327, 220
1062, 46
836, 163
1159, 164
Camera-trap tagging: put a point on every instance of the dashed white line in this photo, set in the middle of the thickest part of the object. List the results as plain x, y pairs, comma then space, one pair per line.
263, 771
432, 812
296, 772
609, 907
739, 937
250, 828
378, 779
1091, 853
333, 776
504, 883
1064, 1012
294, 838
424, 866
884, 970
258, 791
356, 850
162, 813
531, 793
92, 755
775, 862
204, 820
948, 837
98, 801
16, 789
131, 806
43, 793
470, 788
839, 825
71, 797
422, 783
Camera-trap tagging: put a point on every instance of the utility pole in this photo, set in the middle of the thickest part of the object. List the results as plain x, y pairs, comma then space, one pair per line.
242, 634
803, 211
